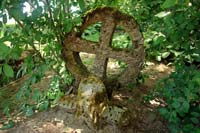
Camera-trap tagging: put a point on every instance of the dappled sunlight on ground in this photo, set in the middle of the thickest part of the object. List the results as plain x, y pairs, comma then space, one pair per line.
144, 117
154, 102
113, 67
154, 72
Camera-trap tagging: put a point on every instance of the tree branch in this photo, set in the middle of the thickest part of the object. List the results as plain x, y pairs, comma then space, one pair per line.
22, 27
52, 22
32, 43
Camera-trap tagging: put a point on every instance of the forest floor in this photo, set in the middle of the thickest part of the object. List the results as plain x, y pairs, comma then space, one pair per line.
61, 120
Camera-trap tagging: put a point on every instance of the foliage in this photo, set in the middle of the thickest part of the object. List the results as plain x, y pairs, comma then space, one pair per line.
92, 33
10, 124
121, 39
171, 32
181, 94
174, 32
170, 27
41, 31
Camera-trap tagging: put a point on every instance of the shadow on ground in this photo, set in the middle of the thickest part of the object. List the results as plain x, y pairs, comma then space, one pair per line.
61, 120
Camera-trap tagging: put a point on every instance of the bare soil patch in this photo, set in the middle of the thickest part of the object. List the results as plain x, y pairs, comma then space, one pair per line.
61, 120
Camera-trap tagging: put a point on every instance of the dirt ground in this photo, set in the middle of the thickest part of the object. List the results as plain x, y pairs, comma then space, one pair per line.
60, 120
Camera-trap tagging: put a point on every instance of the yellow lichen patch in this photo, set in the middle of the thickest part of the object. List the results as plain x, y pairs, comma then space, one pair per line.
68, 102
118, 115
91, 104
92, 97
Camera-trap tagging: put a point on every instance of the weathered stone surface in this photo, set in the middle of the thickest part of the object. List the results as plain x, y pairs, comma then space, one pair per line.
92, 98
110, 18
118, 115
91, 104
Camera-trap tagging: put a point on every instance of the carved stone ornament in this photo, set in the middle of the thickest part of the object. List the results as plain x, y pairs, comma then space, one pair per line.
110, 18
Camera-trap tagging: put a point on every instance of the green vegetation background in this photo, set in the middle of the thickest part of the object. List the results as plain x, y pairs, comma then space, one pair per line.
171, 30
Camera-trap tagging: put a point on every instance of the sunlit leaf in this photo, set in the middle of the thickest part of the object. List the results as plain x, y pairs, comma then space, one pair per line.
93, 37
165, 54
158, 58
162, 14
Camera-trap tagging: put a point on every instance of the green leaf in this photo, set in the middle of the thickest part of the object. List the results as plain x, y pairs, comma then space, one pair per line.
197, 78
9, 125
44, 106
174, 128
1, 25
29, 111
6, 109
16, 53
37, 12
195, 114
8, 71
163, 111
197, 130
5, 50
165, 54
27, 92
33, 79
162, 14
17, 13
194, 120
4, 18
185, 106
173, 117
93, 37
176, 104
36, 94
81, 4
77, 20
0, 70
158, 58
68, 26
169, 3
19, 95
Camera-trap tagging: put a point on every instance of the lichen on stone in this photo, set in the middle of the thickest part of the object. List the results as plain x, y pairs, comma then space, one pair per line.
110, 18
91, 104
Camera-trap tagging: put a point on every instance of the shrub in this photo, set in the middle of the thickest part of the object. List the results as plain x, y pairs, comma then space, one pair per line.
181, 94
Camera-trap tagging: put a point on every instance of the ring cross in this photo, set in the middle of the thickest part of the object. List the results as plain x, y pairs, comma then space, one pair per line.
103, 50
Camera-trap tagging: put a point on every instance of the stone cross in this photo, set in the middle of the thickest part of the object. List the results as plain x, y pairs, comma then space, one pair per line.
103, 50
